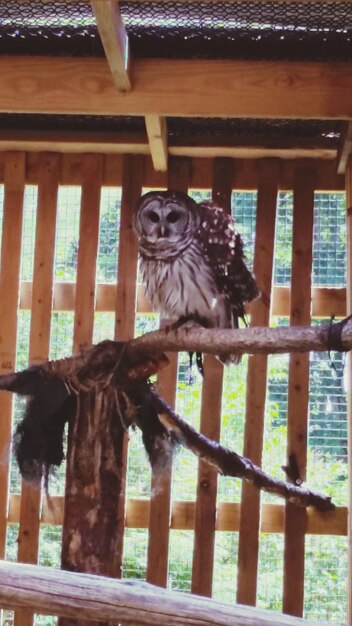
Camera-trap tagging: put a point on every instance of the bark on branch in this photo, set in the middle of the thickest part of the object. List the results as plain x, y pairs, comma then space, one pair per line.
230, 463
84, 596
249, 340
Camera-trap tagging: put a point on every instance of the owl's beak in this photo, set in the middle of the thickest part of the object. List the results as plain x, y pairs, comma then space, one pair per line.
163, 232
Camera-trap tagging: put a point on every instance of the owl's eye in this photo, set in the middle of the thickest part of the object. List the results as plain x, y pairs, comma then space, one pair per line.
154, 217
173, 217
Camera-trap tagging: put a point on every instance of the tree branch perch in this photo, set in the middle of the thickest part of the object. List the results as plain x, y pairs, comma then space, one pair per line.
230, 463
256, 340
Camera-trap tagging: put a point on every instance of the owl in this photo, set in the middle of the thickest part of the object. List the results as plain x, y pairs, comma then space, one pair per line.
192, 261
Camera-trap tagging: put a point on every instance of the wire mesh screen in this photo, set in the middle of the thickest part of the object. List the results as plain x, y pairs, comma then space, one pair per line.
317, 30
244, 30
327, 444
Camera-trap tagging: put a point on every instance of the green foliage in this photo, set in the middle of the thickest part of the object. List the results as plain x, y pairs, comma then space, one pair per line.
326, 557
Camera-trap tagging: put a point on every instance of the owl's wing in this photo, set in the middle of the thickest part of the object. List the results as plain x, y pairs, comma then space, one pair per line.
223, 248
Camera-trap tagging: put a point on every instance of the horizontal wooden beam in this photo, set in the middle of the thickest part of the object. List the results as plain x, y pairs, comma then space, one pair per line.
73, 142
178, 87
326, 301
87, 597
68, 142
183, 516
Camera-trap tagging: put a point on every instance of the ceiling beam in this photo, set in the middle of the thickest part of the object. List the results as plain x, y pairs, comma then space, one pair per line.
157, 137
137, 143
345, 149
114, 39
174, 87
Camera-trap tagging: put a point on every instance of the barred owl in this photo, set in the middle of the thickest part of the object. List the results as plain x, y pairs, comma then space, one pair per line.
192, 260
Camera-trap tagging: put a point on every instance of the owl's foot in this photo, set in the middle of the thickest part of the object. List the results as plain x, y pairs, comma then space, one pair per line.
199, 363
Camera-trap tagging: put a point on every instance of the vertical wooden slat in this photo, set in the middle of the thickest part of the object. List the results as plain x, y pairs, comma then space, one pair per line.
210, 424
9, 295
39, 342
132, 181
256, 381
159, 520
349, 366
298, 391
92, 173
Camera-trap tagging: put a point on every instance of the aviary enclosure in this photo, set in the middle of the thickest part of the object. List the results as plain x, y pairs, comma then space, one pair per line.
245, 103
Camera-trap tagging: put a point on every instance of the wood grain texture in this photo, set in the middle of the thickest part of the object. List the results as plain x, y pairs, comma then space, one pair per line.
176, 87
349, 378
159, 520
157, 137
248, 547
114, 39
210, 425
182, 516
87, 250
326, 301
101, 599
28, 539
132, 177
298, 390
9, 296
201, 172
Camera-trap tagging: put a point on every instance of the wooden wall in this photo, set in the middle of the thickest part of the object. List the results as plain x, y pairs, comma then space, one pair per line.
42, 296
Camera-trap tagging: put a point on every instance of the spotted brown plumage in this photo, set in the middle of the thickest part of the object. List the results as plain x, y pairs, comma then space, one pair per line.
192, 260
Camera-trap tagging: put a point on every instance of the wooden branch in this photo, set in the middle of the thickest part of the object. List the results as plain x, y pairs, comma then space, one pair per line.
256, 340
230, 463
85, 596
176, 87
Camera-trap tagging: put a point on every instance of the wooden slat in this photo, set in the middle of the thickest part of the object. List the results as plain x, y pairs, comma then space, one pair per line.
9, 295
349, 378
210, 424
246, 172
177, 87
158, 544
345, 149
114, 39
207, 150
74, 142
28, 540
256, 382
326, 301
132, 180
183, 516
298, 391
157, 137
79, 142
87, 250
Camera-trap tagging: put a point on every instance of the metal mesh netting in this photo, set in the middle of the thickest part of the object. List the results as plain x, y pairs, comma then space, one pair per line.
317, 30
38, 121
327, 131
46, 27
243, 30
276, 132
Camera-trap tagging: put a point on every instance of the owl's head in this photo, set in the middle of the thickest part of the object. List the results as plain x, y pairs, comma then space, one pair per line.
165, 220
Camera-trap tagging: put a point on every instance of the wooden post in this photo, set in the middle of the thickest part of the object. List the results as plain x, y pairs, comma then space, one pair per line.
298, 391
132, 181
84, 492
28, 539
349, 365
210, 424
9, 293
159, 519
